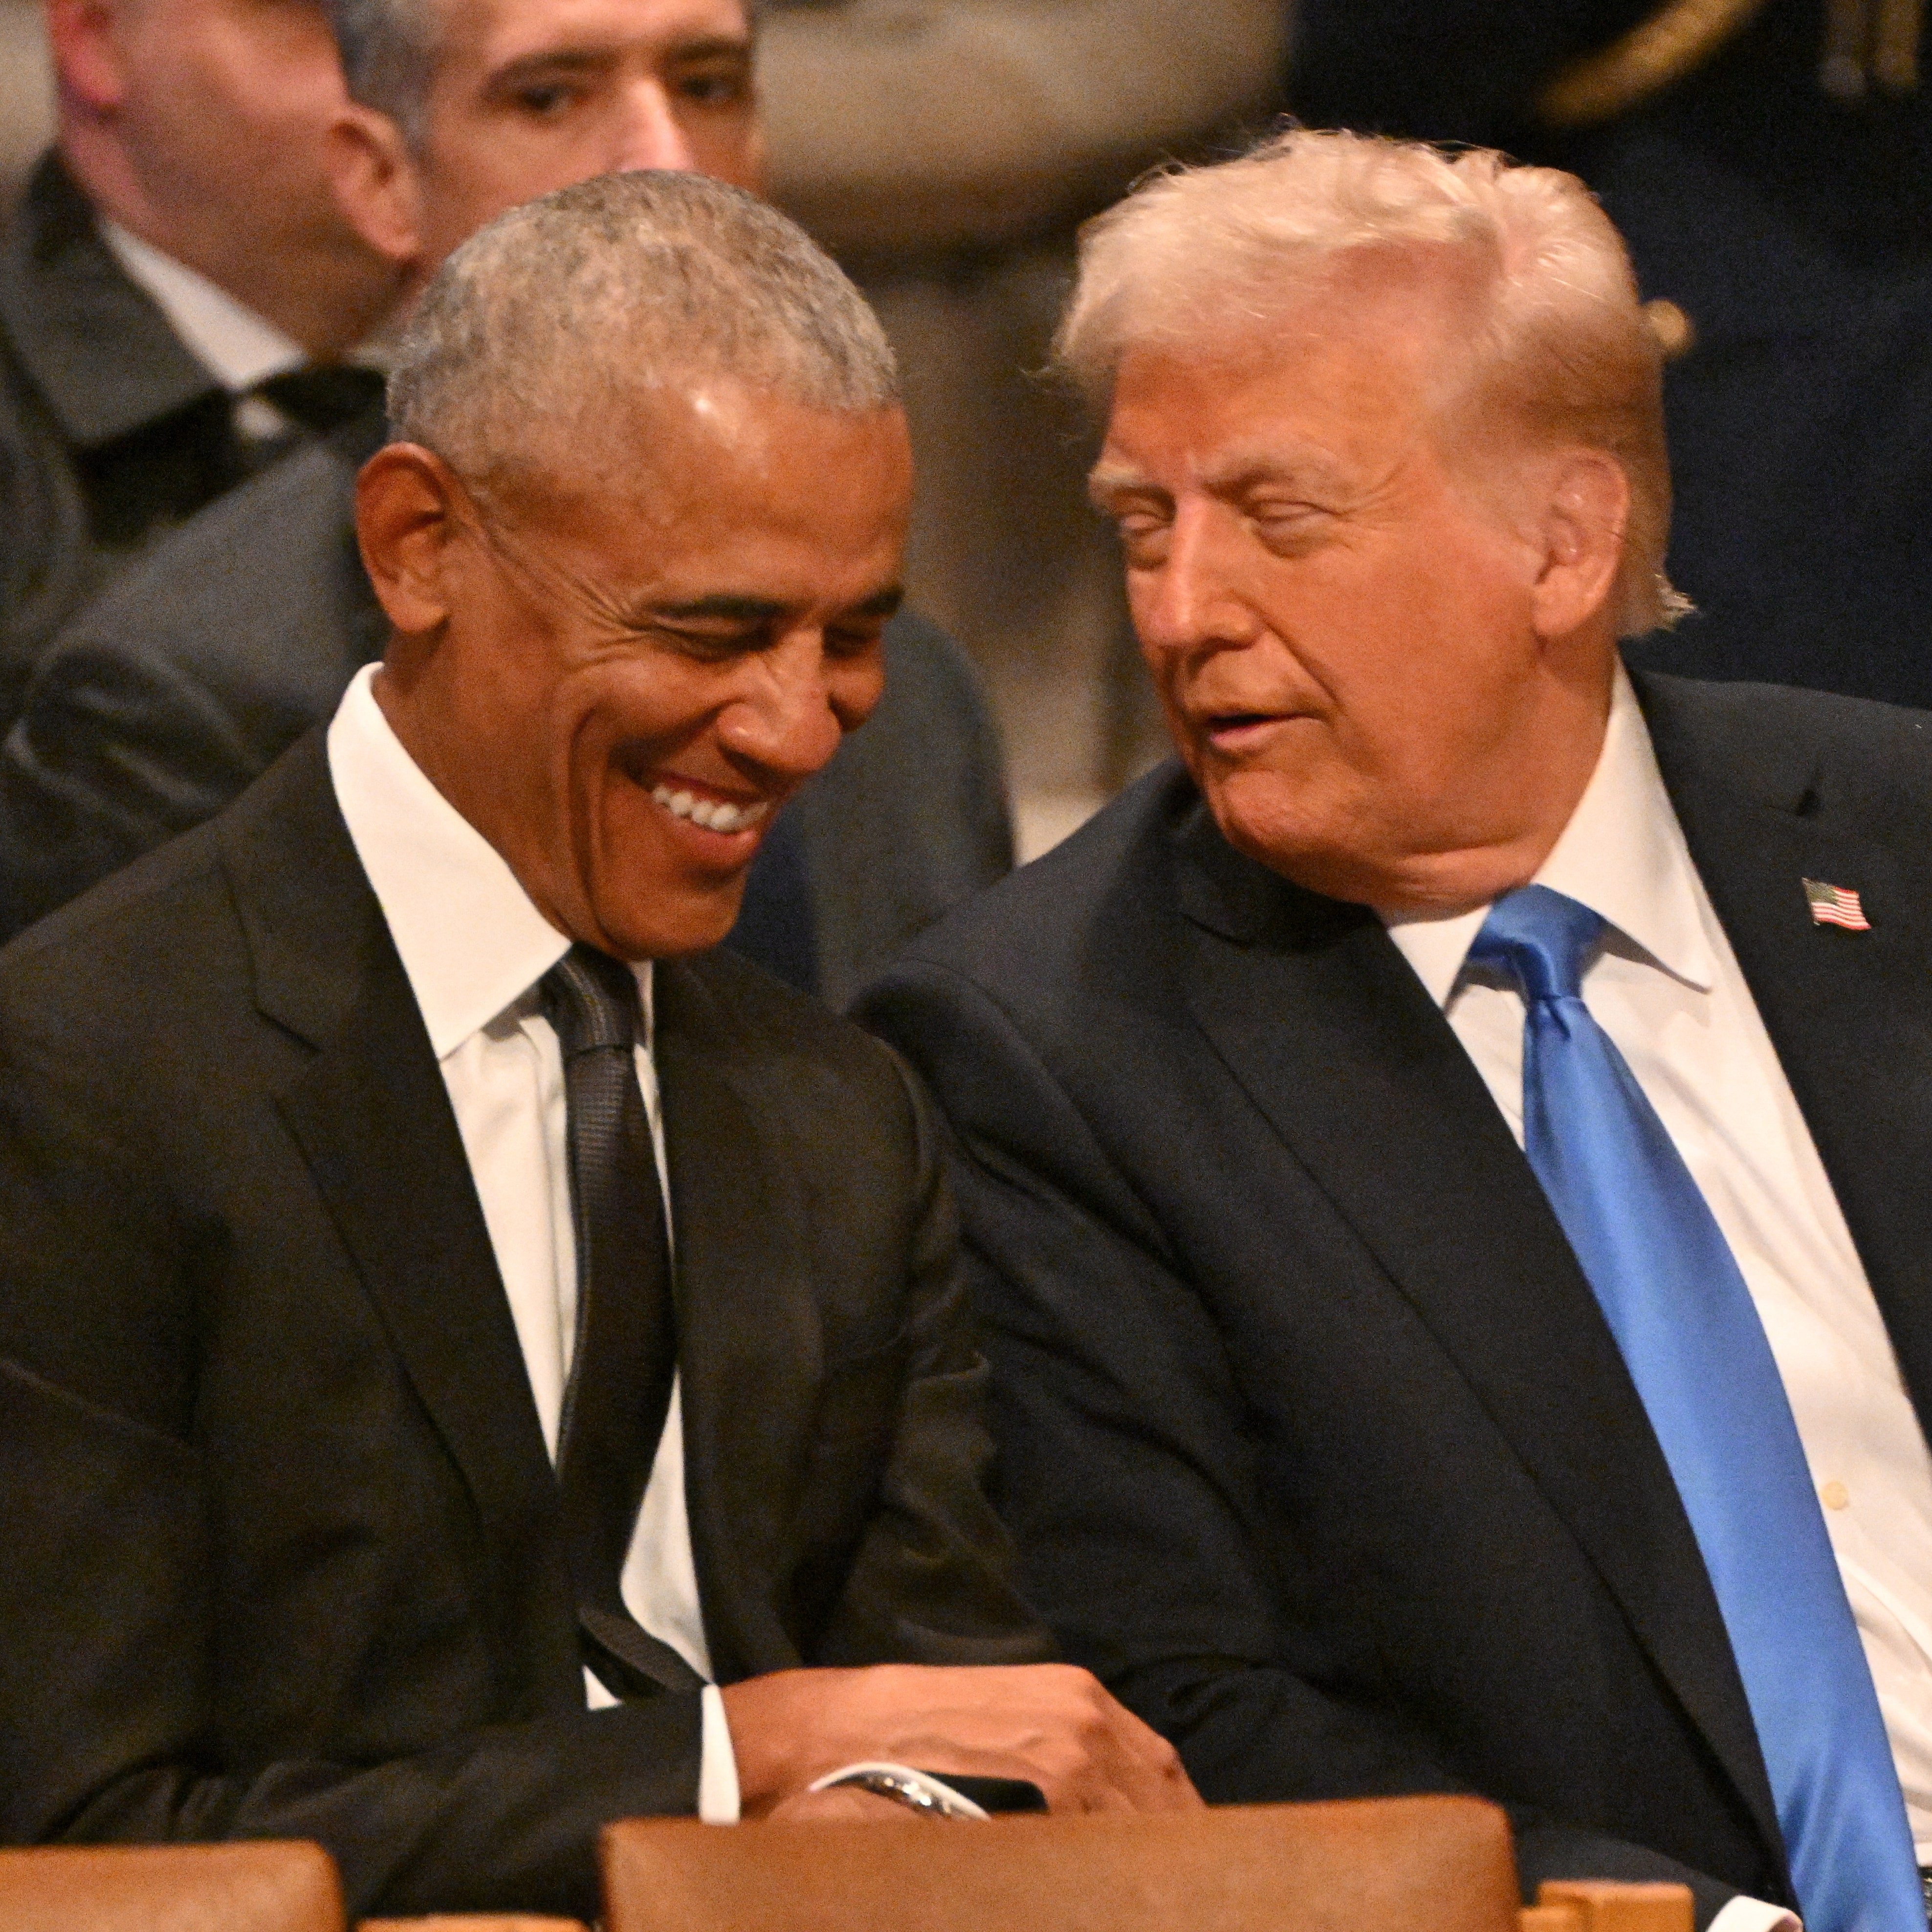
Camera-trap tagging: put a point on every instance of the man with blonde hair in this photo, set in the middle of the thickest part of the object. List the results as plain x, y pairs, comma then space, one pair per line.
1442, 1160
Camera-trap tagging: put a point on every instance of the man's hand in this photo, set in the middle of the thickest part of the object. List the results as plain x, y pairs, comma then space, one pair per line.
1048, 1723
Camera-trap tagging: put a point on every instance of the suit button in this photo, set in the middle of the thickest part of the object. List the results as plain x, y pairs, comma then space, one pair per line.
1834, 1495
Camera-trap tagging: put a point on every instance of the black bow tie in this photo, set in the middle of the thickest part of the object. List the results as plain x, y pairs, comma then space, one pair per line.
323, 395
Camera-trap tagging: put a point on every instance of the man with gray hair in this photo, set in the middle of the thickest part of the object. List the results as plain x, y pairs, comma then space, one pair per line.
1443, 1162
476, 1361
168, 697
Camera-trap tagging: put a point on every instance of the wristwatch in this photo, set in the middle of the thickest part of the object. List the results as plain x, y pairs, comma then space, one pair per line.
917, 1790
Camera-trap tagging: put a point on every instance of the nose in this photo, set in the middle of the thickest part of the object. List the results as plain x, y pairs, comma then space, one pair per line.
798, 706
1191, 599
650, 134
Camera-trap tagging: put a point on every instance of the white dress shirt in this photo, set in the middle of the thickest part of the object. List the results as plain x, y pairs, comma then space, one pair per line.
474, 948
1667, 989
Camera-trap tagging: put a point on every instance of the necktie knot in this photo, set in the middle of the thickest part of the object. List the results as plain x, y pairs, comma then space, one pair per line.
591, 1001
321, 396
1542, 938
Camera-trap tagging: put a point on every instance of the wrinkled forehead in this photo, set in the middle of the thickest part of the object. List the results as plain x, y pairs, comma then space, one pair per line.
701, 464
1326, 389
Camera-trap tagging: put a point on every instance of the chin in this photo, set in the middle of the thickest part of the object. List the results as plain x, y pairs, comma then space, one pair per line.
1309, 847
666, 928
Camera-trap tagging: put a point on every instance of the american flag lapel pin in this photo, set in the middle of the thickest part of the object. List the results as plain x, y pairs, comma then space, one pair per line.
1835, 905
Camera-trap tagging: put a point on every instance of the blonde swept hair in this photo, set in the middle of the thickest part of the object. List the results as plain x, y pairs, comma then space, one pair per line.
1557, 342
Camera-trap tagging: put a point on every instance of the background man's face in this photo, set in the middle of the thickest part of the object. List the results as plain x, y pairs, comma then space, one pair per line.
226, 107
532, 95
1338, 626
679, 639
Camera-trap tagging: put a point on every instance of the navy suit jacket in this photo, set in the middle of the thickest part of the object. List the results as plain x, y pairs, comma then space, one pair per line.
1316, 1444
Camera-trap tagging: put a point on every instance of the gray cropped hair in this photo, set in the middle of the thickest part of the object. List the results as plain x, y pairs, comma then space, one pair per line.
559, 316
388, 49
1557, 342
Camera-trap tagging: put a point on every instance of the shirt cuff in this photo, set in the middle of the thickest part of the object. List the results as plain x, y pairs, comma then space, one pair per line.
1753, 1914
717, 1777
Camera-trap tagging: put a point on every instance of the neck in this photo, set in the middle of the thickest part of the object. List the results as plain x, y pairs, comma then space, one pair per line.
328, 296
1538, 790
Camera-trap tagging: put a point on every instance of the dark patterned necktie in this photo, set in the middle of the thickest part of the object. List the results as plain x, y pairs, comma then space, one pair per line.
626, 1355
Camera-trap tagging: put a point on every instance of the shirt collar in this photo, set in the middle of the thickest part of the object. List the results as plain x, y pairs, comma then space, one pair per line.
1622, 854
471, 941
239, 347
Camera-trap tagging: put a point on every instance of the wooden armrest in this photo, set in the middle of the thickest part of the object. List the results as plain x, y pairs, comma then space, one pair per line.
474, 1921
1596, 1905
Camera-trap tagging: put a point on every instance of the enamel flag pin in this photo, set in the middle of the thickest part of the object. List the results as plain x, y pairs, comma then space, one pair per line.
1835, 905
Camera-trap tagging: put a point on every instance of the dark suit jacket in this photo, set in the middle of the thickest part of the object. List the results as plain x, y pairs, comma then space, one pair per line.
169, 694
1314, 1441
110, 431
1796, 232
282, 1551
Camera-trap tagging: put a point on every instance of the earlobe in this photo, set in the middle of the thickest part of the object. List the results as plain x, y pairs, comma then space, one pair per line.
87, 53
1583, 541
408, 507
376, 182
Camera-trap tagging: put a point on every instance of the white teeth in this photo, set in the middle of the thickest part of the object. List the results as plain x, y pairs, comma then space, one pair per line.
715, 816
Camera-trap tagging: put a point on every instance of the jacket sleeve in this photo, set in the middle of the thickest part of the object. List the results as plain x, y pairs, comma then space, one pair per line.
930, 1581
115, 752
1127, 1468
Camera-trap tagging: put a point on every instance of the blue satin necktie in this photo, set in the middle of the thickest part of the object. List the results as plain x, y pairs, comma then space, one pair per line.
1685, 1321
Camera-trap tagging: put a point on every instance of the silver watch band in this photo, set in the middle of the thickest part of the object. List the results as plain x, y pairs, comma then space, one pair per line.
916, 1790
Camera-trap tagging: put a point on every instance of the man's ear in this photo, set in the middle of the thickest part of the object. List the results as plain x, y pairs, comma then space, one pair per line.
376, 182
409, 513
1587, 510
84, 38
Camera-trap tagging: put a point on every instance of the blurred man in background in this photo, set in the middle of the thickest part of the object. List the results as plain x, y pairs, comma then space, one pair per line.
170, 696
179, 257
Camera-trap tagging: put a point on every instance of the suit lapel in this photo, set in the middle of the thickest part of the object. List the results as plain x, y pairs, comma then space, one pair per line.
1320, 1020
1850, 1013
372, 1117
750, 1347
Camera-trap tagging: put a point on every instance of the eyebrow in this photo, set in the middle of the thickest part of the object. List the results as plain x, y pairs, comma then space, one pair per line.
1238, 470
578, 59
728, 608
588, 60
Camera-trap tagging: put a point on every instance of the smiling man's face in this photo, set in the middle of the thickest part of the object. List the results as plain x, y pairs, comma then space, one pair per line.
640, 664
1338, 620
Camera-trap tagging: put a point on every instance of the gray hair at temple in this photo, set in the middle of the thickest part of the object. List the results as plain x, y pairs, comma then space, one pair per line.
388, 49
1557, 341
560, 317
